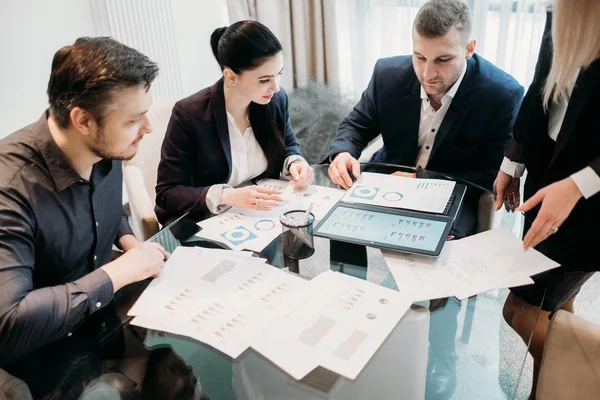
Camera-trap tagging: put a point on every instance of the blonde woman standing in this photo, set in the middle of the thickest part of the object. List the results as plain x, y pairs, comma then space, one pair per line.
557, 140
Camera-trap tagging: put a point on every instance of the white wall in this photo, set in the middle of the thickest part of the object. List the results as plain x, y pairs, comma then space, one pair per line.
30, 33
195, 20
32, 30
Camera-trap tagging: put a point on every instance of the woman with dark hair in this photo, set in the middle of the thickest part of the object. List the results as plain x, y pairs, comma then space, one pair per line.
237, 130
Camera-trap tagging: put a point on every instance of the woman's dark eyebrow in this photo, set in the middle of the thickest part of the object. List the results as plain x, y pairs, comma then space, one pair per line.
270, 76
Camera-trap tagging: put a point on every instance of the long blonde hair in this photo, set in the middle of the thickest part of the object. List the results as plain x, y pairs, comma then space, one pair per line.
576, 41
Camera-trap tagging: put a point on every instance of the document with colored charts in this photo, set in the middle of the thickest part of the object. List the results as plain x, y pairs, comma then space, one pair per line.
254, 230
217, 297
428, 195
241, 229
340, 326
322, 198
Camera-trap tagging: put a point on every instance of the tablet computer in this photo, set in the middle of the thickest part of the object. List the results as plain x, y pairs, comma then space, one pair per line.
391, 228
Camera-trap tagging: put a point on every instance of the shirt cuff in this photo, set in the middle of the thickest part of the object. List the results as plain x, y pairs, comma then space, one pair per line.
124, 228
285, 171
98, 287
512, 168
213, 199
587, 181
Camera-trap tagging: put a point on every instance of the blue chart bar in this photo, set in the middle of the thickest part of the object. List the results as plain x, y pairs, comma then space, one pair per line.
380, 227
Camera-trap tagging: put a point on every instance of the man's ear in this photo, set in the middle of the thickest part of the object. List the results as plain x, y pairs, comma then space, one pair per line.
471, 48
82, 120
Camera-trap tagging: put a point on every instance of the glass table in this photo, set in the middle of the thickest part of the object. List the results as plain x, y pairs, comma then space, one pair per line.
441, 349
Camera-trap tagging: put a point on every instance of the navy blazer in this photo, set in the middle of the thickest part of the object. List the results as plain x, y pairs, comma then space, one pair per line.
196, 151
577, 146
472, 138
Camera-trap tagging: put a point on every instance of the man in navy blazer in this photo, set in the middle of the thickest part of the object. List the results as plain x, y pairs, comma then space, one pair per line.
444, 108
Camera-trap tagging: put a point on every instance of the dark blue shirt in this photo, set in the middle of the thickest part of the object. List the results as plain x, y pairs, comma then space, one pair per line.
56, 230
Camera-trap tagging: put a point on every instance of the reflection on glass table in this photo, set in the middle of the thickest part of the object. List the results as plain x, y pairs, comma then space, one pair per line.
442, 349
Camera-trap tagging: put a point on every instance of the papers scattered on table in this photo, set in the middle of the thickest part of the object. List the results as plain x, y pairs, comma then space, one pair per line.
489, 260
428, 195
231, 302
254, 230
339, 327
322, 198
217, 297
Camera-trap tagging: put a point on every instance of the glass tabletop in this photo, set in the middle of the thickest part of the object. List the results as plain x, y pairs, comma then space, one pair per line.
441, 349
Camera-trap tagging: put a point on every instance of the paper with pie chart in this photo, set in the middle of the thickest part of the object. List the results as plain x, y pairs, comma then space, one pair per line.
428, 195
231, 302
322, 198
241, 230
254, 230
340, 326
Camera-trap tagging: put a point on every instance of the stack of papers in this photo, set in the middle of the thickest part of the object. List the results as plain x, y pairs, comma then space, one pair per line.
254, 230
428, 195
231, 302
489, 260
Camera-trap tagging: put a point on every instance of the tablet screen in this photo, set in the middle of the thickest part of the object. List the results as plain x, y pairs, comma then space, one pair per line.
390, 229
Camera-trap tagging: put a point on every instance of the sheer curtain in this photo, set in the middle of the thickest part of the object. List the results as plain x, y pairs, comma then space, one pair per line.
307, 32
508, 34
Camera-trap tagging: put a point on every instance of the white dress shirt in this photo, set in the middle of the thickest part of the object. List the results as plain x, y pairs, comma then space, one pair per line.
586, 180
247, 157
248, 161
431, 120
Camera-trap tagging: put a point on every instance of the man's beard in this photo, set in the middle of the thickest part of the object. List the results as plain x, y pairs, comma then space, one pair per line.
101, 149
436, 91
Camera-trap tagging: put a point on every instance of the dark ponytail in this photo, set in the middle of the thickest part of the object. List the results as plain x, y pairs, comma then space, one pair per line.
243, 46
214, 41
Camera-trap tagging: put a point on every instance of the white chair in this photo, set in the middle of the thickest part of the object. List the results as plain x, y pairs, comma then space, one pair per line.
141, 171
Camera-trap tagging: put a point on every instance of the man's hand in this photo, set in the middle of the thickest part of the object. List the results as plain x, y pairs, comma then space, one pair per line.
302, 174
506, 190
141, 262
338, 170
558, 200
404, 174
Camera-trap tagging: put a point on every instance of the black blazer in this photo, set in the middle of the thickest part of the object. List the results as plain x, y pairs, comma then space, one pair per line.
196, 152
471, 140
577, 146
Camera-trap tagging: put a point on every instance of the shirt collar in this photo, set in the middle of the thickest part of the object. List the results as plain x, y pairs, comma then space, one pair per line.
61, 171
452, 91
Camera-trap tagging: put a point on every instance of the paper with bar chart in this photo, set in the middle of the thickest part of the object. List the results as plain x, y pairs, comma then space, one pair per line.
428, 195
339, 327
217, 297
322, 198
232, 302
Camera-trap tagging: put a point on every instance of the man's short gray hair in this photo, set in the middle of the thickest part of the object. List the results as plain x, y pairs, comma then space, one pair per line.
437, 17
